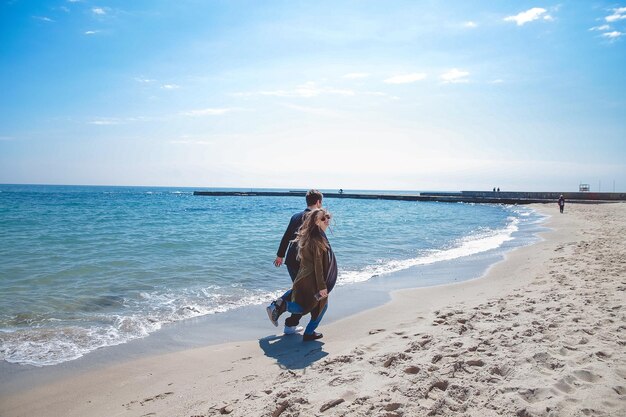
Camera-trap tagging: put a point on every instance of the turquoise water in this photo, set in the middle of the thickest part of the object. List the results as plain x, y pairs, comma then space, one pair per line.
88, 267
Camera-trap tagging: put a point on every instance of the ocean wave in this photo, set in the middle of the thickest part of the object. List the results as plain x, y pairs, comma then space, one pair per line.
470, 245
44, 346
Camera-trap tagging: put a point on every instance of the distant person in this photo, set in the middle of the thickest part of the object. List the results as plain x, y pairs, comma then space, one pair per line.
498, 189
341, 191
494, 189
561, 202
313, 201
316, 277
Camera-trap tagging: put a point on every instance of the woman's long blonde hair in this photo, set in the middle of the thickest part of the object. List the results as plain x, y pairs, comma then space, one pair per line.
310, 235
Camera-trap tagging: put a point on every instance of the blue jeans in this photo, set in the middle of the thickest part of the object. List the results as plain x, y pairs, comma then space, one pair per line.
295, 308
294, 319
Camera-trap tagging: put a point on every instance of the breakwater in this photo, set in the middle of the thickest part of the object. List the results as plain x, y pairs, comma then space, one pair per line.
511, 197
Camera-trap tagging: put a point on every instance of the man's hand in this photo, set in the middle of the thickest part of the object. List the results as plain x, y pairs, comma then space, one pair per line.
278, 261
323, 293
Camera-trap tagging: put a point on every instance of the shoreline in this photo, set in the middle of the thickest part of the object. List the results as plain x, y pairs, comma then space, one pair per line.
250, 323
398, 357
99, 307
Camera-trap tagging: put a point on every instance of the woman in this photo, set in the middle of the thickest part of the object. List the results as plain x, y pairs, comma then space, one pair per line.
316, 277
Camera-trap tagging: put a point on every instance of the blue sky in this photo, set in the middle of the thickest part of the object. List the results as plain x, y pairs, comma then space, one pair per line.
406, 95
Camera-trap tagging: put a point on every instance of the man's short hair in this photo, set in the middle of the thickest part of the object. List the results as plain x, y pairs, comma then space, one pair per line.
312, 197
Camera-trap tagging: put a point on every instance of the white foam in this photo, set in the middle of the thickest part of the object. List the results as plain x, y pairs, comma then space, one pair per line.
470, 245
54, 345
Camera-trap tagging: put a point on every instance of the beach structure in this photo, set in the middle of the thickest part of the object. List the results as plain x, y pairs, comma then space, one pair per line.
488, 197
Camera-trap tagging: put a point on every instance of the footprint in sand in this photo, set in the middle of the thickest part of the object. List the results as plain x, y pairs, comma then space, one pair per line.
591, 412
533, 395
475, 362
341, 380
437, 386
394, 358
331, 404
420, 344
339, 359
564, 385
567, 350
586, 376
500, 370
412, 370
602, 355
547, 361
156, 397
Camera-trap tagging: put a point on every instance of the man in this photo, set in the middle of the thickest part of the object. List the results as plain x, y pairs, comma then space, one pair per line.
313, 201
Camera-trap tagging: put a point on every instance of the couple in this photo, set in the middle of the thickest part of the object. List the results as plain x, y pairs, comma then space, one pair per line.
311, 265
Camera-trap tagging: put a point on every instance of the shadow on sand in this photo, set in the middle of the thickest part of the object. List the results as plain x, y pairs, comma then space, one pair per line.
291, 352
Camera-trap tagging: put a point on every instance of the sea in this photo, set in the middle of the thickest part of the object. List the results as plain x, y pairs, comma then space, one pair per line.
89, 267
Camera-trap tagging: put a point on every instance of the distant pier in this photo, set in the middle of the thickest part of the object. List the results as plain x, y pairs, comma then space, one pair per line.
487, 197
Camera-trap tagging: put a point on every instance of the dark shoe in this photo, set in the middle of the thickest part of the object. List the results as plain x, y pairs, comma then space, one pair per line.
271, 314
274, 310
311, 337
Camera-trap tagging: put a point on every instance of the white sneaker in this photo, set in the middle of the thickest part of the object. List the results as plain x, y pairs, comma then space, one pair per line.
293, 329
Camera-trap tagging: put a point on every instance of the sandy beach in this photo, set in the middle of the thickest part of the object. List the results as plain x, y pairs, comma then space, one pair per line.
542, 334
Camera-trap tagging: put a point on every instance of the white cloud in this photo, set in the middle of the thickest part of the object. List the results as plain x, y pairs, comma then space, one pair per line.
140, 119
99, 11
318, 111
207, 112
105, 122
311, 90
144, 80
170, 86
379, 94
109, 121
204, 140
528, 16
454, 76
406, 78
91, 32
618, 14
356, 75
470, 25
192, 142
306, 90
43, 19
603, 27
613, 35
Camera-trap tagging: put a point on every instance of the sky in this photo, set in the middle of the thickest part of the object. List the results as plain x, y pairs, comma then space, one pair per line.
380, 95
